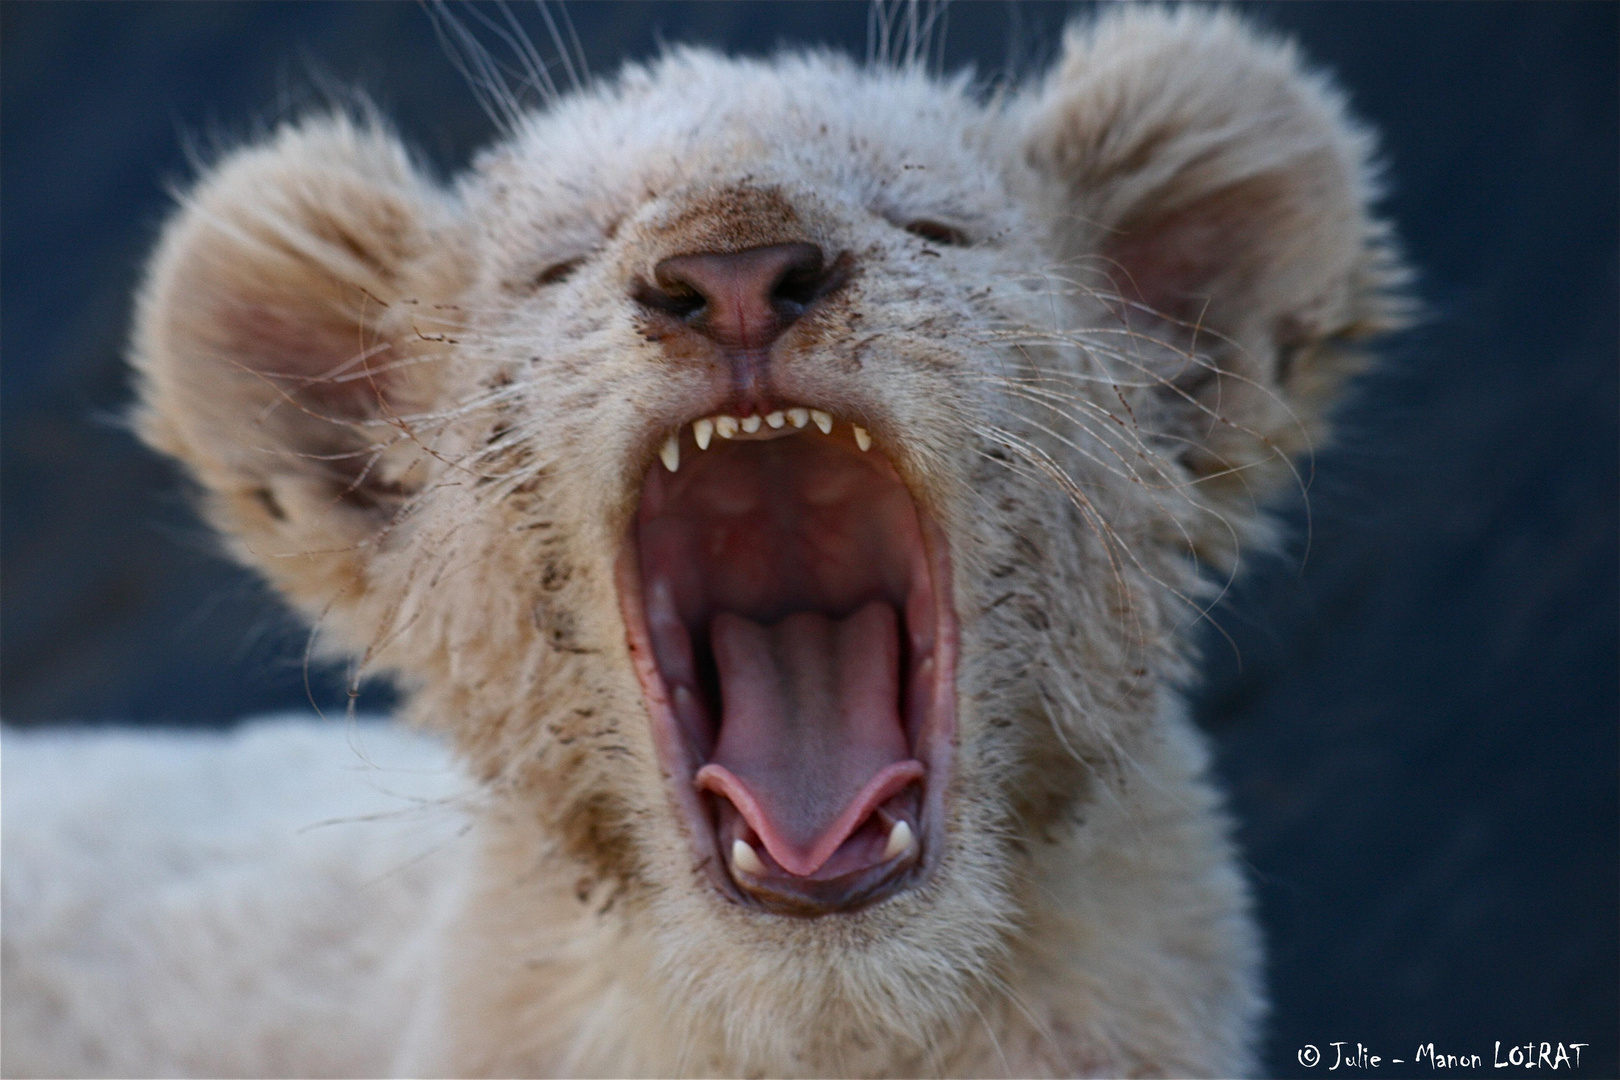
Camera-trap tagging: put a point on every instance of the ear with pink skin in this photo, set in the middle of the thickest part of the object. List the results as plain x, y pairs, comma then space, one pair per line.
281, 349
1217, 196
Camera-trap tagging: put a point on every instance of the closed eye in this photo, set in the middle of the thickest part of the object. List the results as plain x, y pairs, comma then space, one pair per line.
937, 232
557, 272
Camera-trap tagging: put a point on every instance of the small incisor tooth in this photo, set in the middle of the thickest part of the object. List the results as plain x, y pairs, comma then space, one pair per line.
776, 419
745, 858
800, 417
750, 424
862, 439
671, 453
702, 432
899, 840
823, 421
726, 426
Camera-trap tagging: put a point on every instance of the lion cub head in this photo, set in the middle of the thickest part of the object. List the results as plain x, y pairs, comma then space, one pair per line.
782, 479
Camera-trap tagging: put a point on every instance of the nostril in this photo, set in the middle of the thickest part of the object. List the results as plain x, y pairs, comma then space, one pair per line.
798, 289
807, 281
675, 298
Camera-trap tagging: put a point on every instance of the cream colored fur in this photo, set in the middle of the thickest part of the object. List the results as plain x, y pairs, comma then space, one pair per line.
248, 904
431, 437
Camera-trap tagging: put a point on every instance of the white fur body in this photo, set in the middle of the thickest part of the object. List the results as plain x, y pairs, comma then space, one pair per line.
250, 903
425, 414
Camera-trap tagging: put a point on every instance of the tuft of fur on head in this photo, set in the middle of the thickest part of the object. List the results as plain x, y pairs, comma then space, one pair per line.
1089, 324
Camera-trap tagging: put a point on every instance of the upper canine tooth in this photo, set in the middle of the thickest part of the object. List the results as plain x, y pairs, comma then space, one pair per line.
702, 432
775, 419
862, 439
800, 417
671, 453
750, 424
745, 858
726, 426
899, 840
823, 421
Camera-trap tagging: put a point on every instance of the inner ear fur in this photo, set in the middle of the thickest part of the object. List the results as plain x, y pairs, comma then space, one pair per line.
282, 346
1218, 197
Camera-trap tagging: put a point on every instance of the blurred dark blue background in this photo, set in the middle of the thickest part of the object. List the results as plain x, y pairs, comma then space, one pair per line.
1416, 713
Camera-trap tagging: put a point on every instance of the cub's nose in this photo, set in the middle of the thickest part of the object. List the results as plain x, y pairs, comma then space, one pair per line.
743, 300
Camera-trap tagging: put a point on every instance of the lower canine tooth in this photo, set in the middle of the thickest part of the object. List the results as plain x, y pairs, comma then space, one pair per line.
775, 419
823, 421
702, 432
862, 439
671, 453
899, 841
726, 426
750, 424
800, 417
744, 858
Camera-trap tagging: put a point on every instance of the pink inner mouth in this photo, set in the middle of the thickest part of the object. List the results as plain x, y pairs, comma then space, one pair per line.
786, 596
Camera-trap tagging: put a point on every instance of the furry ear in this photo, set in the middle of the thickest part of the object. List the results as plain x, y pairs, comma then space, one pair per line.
1217, 196
279, 342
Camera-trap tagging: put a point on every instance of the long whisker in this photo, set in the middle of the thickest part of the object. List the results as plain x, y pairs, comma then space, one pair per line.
477, 66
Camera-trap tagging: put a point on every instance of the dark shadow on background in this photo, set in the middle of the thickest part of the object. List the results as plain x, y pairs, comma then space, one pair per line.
1416, 712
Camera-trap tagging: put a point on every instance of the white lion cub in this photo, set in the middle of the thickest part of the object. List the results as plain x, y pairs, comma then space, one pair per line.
782, 485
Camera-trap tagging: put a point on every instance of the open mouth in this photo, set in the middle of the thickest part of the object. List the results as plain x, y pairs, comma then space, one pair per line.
787, 606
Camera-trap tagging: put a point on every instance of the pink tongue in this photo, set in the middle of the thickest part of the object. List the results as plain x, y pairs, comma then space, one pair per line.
810, 740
